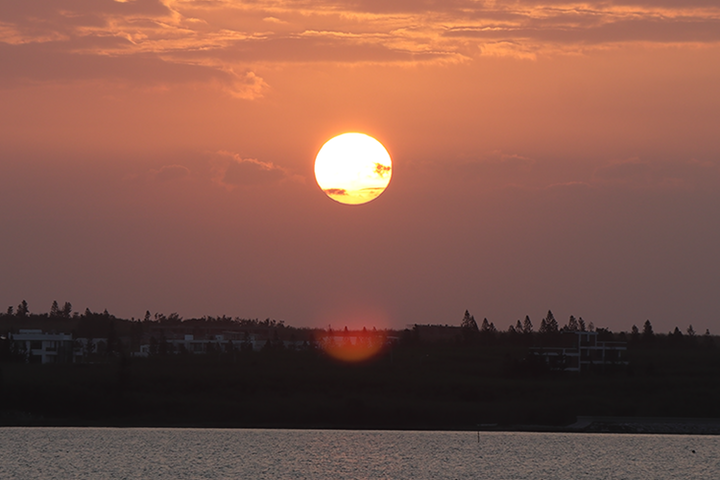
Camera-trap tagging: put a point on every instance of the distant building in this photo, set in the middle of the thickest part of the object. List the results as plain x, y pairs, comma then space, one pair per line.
189, 343
86, 348
581, 352
43, 347
436, 333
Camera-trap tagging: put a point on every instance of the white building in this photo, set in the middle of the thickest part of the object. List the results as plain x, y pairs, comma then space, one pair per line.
583, 352
45, 347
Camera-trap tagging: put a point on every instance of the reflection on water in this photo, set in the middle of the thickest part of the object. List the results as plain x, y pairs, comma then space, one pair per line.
93, 453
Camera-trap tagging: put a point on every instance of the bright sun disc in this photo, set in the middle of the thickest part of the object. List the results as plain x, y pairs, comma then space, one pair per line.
353, 168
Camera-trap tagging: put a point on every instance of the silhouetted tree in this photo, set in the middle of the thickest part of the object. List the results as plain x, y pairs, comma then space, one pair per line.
549, 325
527, 326
10, 310
708, 340
647, 335
581, 324
487, 332
572, 325
691, 331
66, 311
675, 337
605, 335
469, 322
634, 334
54, 310
22, 309
469, 328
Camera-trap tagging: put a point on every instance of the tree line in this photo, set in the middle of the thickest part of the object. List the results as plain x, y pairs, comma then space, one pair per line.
91, 324
523, 332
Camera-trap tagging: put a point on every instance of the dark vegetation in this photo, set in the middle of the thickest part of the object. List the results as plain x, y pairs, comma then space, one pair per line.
455, 379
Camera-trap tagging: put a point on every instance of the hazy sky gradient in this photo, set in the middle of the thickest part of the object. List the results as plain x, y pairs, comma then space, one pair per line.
547, 155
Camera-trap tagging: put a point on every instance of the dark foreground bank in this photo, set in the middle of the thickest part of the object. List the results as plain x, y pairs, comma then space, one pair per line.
445, 387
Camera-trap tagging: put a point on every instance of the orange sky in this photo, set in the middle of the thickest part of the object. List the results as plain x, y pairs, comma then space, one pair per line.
546, 155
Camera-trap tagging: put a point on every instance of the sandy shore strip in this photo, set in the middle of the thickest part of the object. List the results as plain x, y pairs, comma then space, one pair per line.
688, 426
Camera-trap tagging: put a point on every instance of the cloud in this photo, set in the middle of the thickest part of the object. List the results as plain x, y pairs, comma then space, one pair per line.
335, 191
225, 43
169, 172
496, 162
661, 30
382, 170
570, 186
640, 173
230, 170
47, 63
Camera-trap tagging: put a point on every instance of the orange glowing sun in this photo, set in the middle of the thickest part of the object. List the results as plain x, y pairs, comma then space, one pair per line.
353, 168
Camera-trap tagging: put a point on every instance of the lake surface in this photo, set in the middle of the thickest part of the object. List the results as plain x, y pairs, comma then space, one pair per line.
156, 453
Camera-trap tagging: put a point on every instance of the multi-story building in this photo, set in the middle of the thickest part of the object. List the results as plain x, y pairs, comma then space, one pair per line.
581, 351
43, 347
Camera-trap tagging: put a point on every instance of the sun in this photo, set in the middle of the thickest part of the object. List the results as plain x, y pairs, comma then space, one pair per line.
353, 168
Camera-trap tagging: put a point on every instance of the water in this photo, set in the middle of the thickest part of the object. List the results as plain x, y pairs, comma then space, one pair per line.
111, 453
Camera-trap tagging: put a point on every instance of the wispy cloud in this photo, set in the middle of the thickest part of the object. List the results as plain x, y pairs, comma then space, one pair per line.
169, 172
643, 173
230, 171
225, 42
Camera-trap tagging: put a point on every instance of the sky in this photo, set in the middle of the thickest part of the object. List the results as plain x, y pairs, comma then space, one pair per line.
547, 155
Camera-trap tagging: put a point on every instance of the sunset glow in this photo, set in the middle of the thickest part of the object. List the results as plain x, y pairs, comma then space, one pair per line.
160, 155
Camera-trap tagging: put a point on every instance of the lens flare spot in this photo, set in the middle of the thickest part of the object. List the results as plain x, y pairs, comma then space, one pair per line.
352, 345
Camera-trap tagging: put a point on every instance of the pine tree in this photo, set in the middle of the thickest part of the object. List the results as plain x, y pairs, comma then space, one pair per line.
469, 322
572, 325
527, 326
647, 334
487, 327
551, 323
54, 310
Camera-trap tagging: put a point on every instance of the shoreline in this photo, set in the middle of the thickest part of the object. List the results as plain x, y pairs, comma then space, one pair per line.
584, 424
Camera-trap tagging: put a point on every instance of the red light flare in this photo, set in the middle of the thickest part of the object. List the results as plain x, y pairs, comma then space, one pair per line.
352, 346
